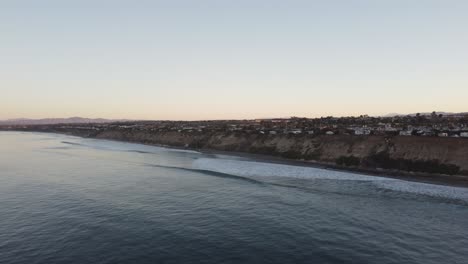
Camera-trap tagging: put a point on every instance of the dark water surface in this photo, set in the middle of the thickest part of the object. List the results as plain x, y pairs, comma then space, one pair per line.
72, 200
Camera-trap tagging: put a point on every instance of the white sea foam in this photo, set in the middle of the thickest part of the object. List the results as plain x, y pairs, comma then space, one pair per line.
262, 169
253, 168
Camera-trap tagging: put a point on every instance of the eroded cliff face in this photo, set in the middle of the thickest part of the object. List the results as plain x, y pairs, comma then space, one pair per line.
423, 154
447, 150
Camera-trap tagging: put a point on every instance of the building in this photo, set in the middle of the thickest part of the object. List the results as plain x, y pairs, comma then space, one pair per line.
362, 131
295, 131
406, 132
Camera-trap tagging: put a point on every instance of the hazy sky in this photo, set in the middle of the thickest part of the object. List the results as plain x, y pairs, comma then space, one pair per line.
231, 59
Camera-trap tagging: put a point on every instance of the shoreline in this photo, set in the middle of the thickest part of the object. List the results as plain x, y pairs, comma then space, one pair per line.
438, 179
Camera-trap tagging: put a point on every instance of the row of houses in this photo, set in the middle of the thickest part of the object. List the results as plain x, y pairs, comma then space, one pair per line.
433, 133
249, 128
450, 126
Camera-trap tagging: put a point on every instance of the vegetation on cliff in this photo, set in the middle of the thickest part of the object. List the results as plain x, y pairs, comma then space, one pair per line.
383, 160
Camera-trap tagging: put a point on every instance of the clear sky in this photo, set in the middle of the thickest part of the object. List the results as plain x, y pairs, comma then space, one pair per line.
231, 59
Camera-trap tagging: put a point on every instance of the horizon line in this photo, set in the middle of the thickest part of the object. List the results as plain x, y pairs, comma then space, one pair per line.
220, 119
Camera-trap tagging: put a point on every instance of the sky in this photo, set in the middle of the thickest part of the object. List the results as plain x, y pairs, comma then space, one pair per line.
192, 60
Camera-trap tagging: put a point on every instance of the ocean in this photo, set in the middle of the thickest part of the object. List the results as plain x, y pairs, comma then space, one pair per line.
66, 199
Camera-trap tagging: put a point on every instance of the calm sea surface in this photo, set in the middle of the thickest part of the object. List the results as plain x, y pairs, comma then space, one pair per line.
71, 200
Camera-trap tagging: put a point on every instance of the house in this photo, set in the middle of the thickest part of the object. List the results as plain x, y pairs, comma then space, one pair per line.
362, 131
442, 134
425, 131
464, 134
295, 131
406, 132
329, 133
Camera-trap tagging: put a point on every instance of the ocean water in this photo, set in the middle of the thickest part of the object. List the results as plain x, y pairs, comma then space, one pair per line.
67, 200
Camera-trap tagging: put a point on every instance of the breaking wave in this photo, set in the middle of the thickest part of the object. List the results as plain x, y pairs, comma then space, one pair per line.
125, 146
255, 169
72, 143
262, 169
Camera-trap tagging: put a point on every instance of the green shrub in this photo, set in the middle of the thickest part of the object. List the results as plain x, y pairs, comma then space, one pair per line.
383, 160
292, 154
348, 161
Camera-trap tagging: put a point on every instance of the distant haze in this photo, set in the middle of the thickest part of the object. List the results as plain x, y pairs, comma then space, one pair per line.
43, 121
192, 60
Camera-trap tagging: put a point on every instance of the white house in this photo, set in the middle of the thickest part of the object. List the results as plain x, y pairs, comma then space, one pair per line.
361, 131
406, 133
295, 131
464, 134
329, 133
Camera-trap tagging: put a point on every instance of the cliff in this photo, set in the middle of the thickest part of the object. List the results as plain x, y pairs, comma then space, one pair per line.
416, 154
424, 157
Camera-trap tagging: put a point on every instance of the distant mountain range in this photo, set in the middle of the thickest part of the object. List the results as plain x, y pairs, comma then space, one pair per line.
82, 120
48, 121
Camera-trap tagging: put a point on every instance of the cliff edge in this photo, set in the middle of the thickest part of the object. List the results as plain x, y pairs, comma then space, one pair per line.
403, 153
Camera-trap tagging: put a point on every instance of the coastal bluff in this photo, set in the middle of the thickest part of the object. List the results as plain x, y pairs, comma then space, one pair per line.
405, 156
402, 153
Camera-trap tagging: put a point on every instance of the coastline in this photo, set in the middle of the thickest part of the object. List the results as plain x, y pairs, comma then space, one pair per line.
438, 179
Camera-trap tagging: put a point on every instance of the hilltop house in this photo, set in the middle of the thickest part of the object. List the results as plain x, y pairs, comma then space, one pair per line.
406, 132
361, 131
